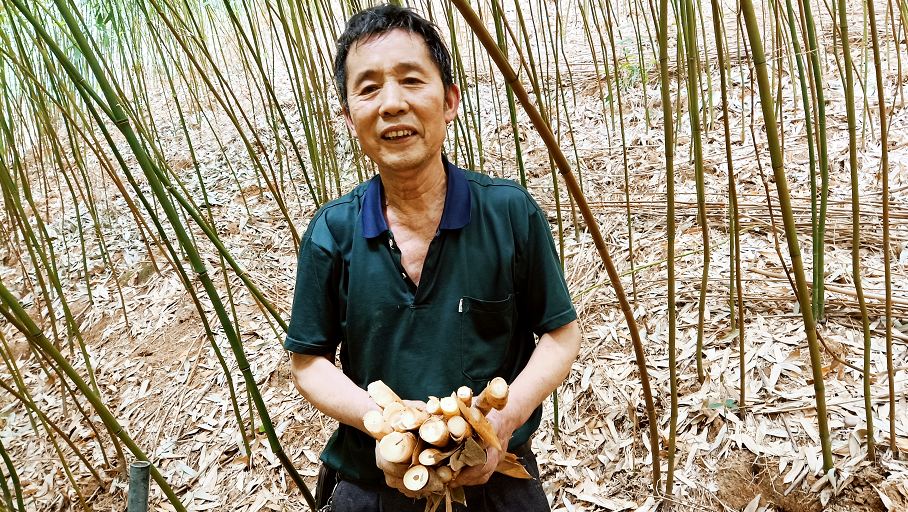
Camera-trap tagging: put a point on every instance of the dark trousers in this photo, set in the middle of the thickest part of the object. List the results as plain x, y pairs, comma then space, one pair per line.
500, 494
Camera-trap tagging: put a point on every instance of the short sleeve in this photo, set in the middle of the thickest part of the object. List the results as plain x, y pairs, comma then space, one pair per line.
546, 301
314, 321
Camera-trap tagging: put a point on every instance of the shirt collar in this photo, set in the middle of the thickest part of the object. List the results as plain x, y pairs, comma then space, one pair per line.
456, 215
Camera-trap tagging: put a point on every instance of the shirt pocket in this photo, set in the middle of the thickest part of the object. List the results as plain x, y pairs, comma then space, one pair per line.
486, 331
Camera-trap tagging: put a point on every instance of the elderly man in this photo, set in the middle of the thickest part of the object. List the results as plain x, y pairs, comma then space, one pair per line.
429, 277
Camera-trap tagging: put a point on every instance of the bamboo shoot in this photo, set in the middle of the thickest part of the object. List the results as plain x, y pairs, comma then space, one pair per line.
412, 418
376, 425
494, 396
449, 406
433, 406
444, 474
391, 409
434, 431
423, 480
465, 394
397, 447
459, 429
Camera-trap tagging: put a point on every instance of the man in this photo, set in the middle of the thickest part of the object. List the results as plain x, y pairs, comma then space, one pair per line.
428, 276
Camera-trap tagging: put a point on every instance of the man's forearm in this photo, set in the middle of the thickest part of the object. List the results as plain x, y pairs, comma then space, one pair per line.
329, 390
548, 366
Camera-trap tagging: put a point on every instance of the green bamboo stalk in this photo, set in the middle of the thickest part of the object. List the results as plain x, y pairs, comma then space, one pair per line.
818, 214
152, 173
512, 108
15, 479
855, 223
555, 151
735, 271
791, 235
887, 271
627, 183
669, 144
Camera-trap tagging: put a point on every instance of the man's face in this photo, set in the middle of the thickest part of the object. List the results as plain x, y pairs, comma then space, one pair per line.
397, 104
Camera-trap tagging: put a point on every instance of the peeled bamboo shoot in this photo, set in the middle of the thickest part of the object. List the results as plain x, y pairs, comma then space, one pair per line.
494, 396
434, 431
444, 474
459, 428
382, 394
449, 406
397, 447
376, 425
396, 423
411, 418
430, 456
422, 479
391, 409
465, 394
433, 406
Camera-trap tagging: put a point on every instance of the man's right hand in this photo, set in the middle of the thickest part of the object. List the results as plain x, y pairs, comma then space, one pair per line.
394, 474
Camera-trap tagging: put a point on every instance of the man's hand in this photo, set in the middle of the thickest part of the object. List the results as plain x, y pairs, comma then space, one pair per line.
394, 474
478, 475
548, 366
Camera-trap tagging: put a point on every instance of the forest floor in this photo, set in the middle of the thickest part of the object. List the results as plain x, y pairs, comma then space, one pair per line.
158, 374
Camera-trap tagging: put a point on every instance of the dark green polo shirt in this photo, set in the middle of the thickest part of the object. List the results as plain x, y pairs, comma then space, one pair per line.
490, 281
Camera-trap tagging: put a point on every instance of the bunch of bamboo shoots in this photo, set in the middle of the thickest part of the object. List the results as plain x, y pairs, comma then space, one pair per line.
439, 441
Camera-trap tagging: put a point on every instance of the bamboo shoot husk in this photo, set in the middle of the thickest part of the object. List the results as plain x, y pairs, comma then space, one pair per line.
449, 406
459, 429
434, 431
494, 396
397, 447
376, 425
382, 394
465, 394
480, 424
423, 480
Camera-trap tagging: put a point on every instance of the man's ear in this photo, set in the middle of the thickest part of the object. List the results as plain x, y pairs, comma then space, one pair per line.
349, 121
452, 102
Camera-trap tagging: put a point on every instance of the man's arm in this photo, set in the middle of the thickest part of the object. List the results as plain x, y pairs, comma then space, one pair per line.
548, 367
334, 394
330, 391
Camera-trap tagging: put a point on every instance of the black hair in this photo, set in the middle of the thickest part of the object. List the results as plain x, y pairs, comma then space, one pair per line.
380, 20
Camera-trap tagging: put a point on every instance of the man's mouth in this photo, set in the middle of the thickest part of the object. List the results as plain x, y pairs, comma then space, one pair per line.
399, 134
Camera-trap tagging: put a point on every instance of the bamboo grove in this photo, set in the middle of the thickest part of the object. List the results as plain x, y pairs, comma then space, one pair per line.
128, 106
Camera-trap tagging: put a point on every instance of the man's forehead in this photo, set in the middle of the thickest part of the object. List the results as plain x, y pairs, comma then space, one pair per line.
368, 61
361, 44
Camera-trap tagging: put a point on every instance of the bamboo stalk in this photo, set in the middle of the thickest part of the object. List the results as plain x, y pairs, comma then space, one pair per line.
856, 228
884, 167
766, 103
565, 169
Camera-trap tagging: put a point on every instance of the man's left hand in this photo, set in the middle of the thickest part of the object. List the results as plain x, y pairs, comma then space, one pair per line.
478, 475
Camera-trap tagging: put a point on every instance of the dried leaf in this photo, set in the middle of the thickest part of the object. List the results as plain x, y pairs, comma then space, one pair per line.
511, 467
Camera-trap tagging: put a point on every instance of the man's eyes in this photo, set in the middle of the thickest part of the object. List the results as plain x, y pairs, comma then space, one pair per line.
370, 89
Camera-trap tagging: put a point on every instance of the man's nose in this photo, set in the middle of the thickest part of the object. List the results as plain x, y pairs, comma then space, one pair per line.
393, 99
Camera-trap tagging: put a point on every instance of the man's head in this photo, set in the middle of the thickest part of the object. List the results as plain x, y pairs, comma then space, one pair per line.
397, 89
380, 20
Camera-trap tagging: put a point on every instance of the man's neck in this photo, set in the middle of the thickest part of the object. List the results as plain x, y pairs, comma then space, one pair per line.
415, 192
